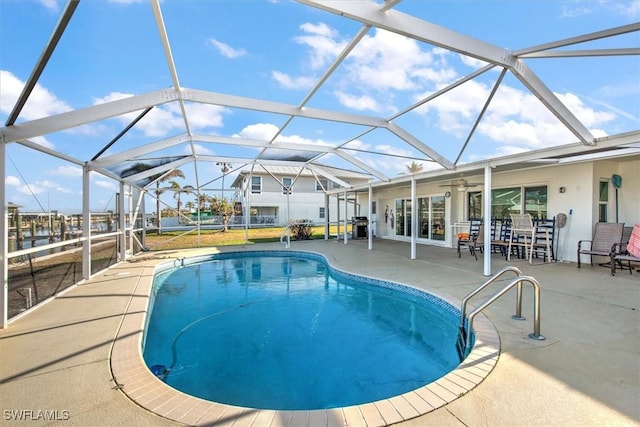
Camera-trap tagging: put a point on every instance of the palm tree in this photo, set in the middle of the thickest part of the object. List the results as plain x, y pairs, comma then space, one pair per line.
175, 173
414, 167
178, 190
141, 167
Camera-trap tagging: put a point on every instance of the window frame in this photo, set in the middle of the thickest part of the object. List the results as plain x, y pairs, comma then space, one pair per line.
253, 185
285, 186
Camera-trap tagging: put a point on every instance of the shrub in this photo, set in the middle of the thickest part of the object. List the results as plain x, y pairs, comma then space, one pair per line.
301, 229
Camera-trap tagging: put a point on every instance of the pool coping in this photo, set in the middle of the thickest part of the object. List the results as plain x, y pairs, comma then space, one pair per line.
136, 381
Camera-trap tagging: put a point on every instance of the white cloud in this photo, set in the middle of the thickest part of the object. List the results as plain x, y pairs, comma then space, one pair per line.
578, 8
323, 41
199, 149
357, 144
168, 117
261, 131
41, 103
266, 131
12, 181
38, 187
514, 117
226, 50
72, 171
289, 82
51, 5
388, 61
109, 185
393, 150
360, 103
41, 140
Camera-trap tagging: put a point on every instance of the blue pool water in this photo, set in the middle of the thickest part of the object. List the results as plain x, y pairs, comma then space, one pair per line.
286, 331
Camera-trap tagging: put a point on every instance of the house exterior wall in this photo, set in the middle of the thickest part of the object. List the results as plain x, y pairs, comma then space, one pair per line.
304, 203
579, 200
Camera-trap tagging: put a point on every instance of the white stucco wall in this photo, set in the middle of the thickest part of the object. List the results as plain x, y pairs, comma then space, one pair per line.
579, 201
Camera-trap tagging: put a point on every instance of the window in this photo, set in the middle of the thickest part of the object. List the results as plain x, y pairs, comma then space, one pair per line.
535, 201
474, 204
506, 201
256, 184
603, 201
322, 184
321, 214
286, 185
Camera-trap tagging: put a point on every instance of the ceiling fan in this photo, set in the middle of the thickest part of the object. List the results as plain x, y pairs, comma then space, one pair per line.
462, 184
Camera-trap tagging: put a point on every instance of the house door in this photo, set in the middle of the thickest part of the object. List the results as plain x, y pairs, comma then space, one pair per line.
432, 214
403, 217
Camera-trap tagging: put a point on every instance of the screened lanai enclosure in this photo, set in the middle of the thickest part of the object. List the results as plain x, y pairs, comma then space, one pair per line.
126, 118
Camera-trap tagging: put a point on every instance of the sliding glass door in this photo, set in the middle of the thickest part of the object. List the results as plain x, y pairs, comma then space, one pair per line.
431, 214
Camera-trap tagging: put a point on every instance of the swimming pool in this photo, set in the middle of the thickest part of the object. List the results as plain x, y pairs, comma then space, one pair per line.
283, 330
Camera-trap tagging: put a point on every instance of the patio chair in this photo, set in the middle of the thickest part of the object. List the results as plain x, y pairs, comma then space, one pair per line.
544, 238
522, 235
468, 239
605, 236
500, 238
477, 242
629, 252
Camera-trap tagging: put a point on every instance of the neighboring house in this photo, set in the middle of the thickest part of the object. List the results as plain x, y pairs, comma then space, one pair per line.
264, 191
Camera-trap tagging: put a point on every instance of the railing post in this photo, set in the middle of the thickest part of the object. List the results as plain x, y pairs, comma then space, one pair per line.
518, 315
518, 281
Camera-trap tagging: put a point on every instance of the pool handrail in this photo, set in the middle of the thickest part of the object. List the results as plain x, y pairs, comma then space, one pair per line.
466, 322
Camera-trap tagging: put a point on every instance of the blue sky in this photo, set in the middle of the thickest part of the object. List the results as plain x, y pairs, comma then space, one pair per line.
277, 50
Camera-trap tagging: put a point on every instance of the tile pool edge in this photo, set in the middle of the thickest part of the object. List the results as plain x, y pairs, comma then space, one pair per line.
136, 381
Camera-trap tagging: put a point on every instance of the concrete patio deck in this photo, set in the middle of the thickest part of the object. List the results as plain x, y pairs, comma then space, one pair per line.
587, 371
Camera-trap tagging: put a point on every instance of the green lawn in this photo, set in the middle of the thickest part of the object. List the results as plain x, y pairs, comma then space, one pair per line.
170, 239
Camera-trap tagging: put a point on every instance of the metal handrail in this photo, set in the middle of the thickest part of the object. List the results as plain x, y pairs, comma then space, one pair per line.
536, 307
463, 307
466, 322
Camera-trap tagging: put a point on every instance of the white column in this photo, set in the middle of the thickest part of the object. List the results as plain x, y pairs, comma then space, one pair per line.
346, 214
414, 229
327, 223
143, 215
338, 216
86, 222
4, 245
487, 219
122, 236
131, 216
370, 217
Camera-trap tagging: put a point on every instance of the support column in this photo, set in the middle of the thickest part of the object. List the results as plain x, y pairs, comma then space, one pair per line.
132, 217
414, 204
327, 223
370, 217
86, 222
122, 232
346, 214
143, 214
338, 225
487, 219
4, 243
